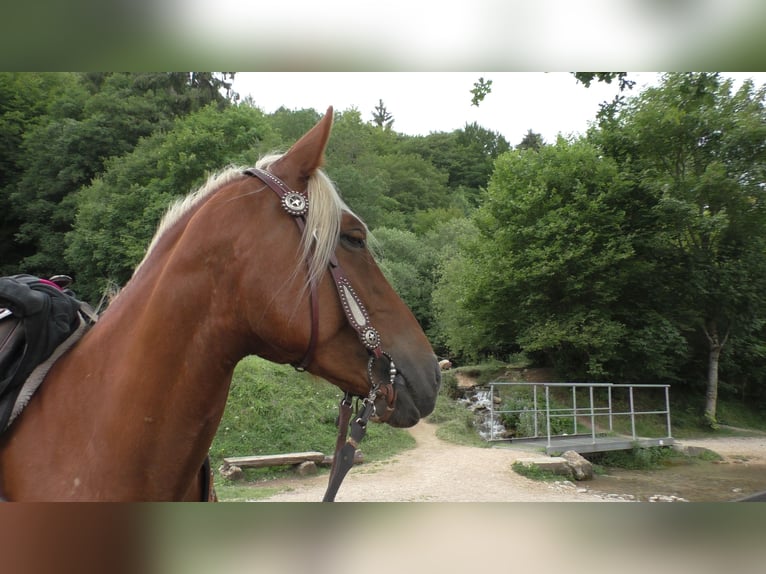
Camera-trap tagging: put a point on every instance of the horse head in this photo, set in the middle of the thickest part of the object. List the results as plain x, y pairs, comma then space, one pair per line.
331, 296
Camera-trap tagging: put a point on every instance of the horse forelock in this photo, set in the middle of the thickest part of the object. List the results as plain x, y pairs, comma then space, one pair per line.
322, 222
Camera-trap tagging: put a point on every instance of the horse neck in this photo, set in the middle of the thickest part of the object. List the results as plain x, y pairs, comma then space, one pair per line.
142, 394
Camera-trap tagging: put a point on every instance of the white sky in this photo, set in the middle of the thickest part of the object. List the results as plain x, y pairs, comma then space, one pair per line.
424, 102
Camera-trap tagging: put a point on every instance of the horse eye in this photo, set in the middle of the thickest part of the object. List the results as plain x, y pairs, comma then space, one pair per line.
353, 241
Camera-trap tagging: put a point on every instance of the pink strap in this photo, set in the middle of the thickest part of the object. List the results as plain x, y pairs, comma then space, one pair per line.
51, 283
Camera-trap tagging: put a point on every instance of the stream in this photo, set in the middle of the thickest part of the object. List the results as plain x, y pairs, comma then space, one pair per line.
693, 481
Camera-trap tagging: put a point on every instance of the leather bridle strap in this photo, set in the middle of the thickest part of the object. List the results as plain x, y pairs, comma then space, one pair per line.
297, 205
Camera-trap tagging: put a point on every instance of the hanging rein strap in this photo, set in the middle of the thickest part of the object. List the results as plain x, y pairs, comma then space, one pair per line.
297, 205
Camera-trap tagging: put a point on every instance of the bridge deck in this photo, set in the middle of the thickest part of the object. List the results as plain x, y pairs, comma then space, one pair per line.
588, 443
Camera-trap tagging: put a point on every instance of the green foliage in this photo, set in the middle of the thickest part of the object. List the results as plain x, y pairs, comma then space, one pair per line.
381, 117
118, 213
639, 458
550, 236
480, 90
456, 423
534, 472
85, 120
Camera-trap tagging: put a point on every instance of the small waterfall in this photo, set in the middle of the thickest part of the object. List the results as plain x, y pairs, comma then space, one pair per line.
480, 403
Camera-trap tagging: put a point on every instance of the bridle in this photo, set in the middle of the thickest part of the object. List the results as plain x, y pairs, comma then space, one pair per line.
296, 204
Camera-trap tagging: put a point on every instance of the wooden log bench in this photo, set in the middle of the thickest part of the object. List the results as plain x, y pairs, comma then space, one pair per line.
303, 462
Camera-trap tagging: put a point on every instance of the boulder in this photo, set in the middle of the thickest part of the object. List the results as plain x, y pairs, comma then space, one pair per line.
231, 472
582, 469
308, 468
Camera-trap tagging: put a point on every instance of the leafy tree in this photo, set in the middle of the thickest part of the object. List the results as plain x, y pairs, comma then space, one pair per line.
552, 243
24, 102
458, 330
118, 213
408, 263
292, 124
467, 155
100, 116
551, 265
586, 78
698, 148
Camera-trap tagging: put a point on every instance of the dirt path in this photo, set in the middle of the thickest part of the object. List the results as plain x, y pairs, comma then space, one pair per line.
436, 471
439, 471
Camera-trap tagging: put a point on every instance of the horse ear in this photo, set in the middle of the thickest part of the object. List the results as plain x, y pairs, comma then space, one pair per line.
306, 155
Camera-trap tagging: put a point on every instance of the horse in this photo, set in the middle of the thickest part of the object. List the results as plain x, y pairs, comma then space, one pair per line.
129, 413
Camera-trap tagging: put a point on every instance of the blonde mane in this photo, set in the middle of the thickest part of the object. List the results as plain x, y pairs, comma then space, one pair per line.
322, 222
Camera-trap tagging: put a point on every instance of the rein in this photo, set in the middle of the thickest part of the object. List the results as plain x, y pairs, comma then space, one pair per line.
296, 204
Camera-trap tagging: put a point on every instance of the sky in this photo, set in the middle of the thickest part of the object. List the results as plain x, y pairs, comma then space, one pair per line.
425, 102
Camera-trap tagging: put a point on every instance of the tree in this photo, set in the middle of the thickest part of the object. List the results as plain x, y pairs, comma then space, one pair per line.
24, 102
408, 263
586, 78
545, 262
697, 148
118, 212
531, 140
381, 116
100, 115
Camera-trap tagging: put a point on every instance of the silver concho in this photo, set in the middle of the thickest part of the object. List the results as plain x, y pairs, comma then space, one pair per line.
370, 338
295, 204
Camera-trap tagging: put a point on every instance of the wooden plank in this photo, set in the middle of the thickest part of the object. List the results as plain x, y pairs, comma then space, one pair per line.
265, 460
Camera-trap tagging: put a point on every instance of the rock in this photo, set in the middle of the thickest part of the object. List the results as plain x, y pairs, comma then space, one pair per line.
581, 467
231, 472
666, 498
308, 468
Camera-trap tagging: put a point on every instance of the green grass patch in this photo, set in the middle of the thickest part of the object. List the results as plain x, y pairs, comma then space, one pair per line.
457, 424
273, 409
245, 493
534, 472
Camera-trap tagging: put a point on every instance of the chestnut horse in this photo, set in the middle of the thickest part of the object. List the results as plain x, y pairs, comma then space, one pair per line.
130, 412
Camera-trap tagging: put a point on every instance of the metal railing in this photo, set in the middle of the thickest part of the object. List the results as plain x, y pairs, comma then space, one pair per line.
590, 412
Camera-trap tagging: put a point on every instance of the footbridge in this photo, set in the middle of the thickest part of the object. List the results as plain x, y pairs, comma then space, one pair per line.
584, 417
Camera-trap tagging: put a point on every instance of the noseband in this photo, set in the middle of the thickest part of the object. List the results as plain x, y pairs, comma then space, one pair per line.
296, 204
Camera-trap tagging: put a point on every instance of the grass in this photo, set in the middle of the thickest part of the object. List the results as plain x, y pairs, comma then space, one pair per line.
534, 472
273, 409
456, 423
228, 492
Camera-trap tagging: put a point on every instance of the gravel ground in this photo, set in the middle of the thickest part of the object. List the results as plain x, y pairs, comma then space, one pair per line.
438, 471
